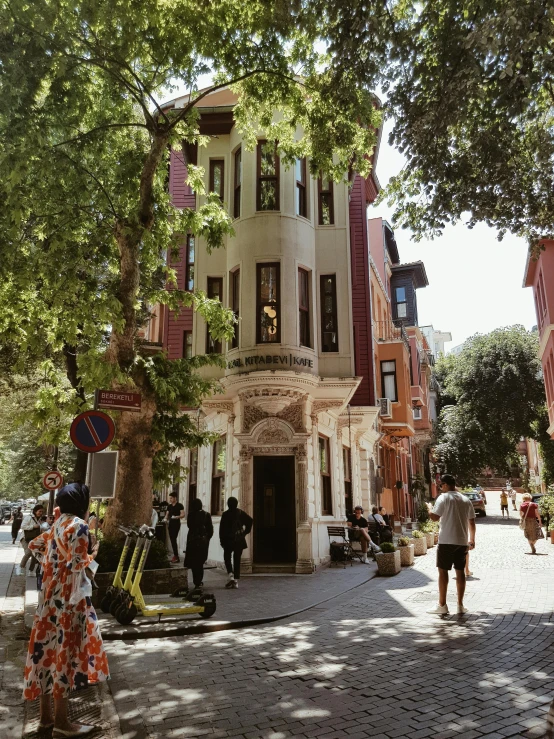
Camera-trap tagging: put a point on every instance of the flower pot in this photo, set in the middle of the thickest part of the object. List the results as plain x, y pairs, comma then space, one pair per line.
436, 537
420, 546
430, 536
388, 563
552, 536
406, 555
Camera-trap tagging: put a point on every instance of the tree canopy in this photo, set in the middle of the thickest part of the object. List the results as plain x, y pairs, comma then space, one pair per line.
492, 394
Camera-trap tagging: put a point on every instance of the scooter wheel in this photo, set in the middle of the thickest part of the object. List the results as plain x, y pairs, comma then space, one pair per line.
125, 615
209, 608
115, 604
106, 602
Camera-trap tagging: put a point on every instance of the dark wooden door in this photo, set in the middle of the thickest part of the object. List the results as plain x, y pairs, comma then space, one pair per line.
274, 510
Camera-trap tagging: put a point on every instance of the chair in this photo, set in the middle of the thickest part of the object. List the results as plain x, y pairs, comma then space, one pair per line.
342, 551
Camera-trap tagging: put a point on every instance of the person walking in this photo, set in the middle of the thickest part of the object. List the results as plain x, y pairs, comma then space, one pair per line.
456, 537
175, 512
31, 527
66, 652
504, 503
530, 521
16, 523
234, 527
200, 532
513, 497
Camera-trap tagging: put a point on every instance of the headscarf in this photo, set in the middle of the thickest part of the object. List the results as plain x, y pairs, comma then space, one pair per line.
73, 498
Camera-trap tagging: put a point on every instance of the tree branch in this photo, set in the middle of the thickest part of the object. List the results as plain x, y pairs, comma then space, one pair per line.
101, 128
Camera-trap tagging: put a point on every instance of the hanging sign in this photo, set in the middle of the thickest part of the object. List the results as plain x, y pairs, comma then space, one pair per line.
92, 431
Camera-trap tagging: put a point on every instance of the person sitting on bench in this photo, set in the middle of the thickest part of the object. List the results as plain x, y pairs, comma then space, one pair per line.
358, 531
385, 532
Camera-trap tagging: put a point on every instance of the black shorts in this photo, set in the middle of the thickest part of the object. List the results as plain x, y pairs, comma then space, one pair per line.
451, 554
504, 507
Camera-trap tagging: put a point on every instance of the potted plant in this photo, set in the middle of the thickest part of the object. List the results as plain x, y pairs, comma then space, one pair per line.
427, 529
406, 549
388, 559
419, 541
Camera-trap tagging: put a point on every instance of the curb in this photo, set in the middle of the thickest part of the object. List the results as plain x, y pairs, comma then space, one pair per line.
204, 627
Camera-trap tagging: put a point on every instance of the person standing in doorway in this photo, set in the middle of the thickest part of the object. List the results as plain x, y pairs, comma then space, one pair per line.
504, 503
16, 524
234, 527
456, 537
175, 512
201, 530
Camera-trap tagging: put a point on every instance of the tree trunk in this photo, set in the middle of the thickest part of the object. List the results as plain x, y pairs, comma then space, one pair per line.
80, 469
132, 504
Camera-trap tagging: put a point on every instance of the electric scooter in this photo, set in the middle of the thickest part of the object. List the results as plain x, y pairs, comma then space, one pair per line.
118, 585
117, 600
133, 603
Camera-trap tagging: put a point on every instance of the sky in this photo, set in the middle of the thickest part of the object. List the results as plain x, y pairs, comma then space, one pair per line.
475, 281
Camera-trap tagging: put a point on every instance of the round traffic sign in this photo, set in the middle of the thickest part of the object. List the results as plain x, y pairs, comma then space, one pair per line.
92, 431
52, 480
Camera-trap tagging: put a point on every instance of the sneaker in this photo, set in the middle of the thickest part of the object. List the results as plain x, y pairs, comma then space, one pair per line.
439, 610
366, 560
235, 584
17, 570
377, 549
461, 609
229, 584
174, 560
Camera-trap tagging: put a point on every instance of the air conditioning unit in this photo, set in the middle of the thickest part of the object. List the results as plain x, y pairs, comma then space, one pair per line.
385, 408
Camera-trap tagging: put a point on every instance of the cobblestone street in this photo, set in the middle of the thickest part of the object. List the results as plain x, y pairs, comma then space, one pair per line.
366, 664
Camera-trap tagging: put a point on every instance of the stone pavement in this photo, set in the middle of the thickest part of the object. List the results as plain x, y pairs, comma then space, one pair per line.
259, 599
371, 663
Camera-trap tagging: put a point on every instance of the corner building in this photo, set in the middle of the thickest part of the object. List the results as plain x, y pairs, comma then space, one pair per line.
297, 418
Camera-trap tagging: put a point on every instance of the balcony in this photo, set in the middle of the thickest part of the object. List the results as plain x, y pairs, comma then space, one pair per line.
387, 332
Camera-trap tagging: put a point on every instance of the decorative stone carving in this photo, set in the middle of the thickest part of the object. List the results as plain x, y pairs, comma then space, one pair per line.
273, 431
245, 454
302, 483
294, 415
212, 406
318, 406
250, 416
271, 400
274, 450
273, 436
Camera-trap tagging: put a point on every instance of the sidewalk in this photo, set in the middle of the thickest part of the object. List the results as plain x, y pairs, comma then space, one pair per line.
259, 599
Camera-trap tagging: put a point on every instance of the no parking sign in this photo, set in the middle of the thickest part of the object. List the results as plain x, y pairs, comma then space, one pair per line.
92, 431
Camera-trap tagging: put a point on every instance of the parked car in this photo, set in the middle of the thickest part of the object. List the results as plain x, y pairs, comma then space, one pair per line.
537, 496
5, 514
479, 505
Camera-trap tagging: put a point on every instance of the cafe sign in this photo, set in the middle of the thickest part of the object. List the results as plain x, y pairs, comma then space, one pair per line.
270, 361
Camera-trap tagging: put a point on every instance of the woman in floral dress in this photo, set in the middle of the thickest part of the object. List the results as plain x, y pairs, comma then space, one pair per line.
65, 649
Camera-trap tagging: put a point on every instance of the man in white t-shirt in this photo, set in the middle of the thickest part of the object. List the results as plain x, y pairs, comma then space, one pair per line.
456, 536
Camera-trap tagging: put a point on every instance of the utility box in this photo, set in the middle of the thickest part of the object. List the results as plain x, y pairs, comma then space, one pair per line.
103, 474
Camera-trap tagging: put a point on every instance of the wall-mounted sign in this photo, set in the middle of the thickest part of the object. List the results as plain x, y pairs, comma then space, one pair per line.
116, 401
270, 361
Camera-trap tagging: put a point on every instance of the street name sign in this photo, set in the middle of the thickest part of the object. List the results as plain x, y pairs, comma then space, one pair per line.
92, 431
116, 401
52, 480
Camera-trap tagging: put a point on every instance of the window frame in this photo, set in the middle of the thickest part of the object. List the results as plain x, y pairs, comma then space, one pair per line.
217, 477
304, 309
347, 472
419, 417
259, 267
235, 304
237, 182
186, 335
263, 178
330, 194
388, 374
301, 200
213, 163
401, 302
216, 343
189, 265
326, 492
322, 294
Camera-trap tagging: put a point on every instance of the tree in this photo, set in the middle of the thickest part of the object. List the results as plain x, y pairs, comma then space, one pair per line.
498, 392
471, 90
87, 224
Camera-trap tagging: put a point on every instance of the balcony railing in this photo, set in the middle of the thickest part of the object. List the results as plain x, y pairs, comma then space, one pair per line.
386, 331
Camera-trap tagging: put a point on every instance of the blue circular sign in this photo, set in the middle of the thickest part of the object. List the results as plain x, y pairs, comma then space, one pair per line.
92, 431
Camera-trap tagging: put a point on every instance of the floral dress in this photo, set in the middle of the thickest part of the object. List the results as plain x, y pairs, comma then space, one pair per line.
65, 649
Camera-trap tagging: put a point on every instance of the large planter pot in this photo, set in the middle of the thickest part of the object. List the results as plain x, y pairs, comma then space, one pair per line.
552, 536
436, 537
420, 546
430, 536
388, 563
406, 555
153, 582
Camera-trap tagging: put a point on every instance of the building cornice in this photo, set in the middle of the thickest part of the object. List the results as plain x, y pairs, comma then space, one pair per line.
545, 335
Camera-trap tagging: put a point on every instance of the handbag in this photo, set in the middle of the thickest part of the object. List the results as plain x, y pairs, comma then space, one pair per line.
522, 520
